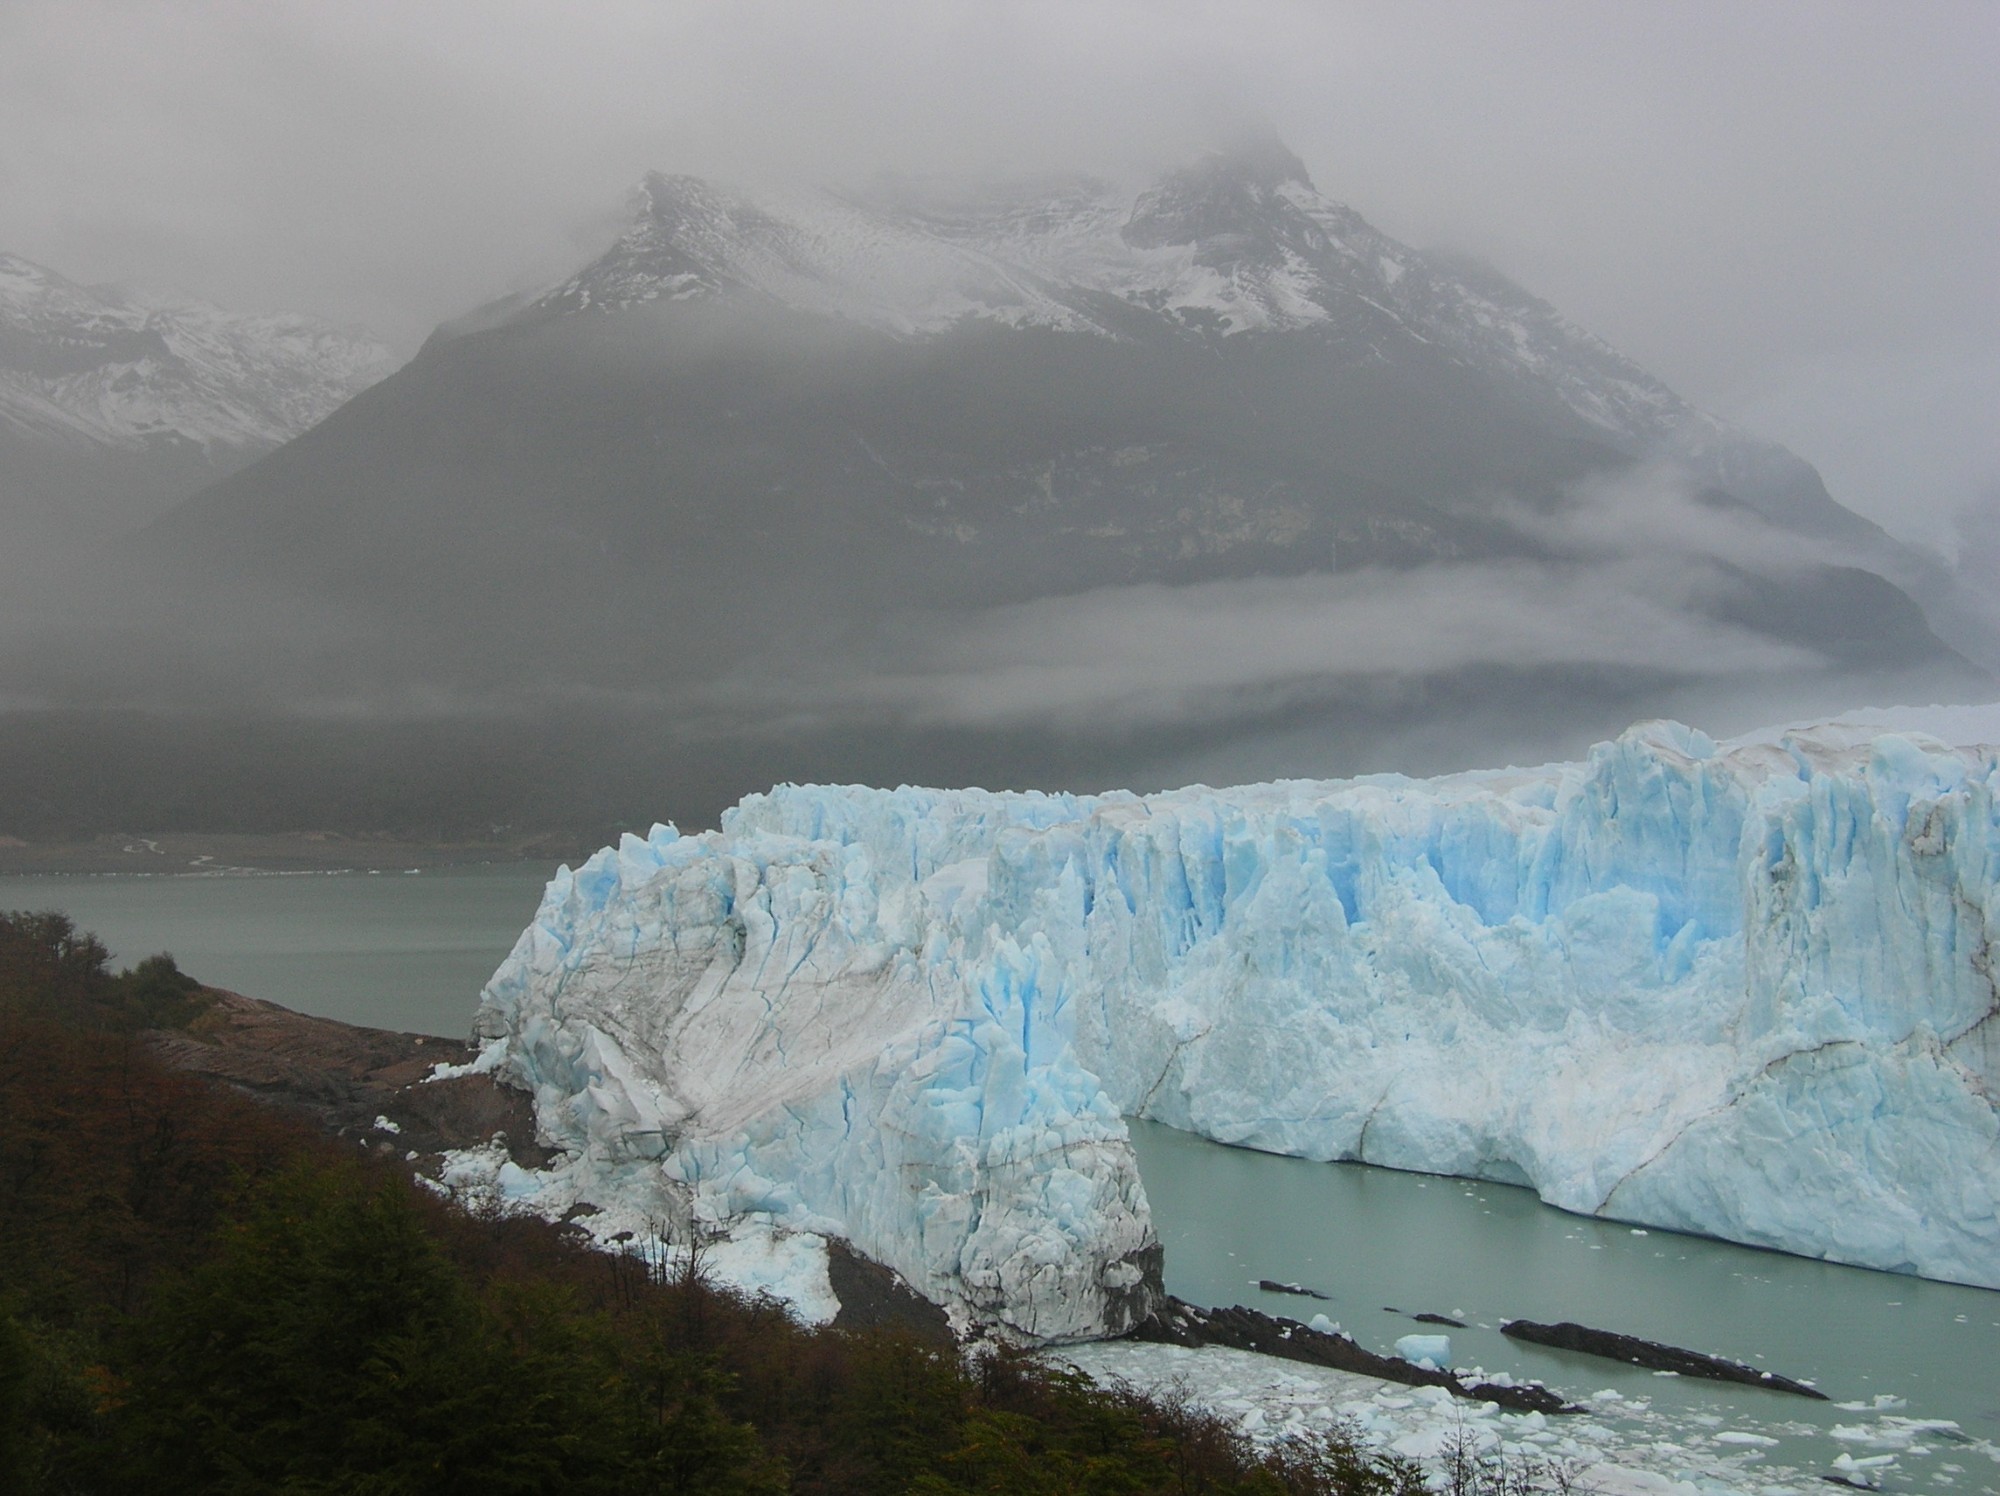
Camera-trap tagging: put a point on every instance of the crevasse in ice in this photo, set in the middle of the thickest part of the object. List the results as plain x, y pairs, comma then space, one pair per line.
1742, 989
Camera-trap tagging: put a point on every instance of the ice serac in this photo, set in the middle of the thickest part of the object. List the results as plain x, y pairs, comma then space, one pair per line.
1744, 989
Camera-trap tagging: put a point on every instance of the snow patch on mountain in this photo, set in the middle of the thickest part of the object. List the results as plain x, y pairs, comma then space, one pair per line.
82, 365
1743, 989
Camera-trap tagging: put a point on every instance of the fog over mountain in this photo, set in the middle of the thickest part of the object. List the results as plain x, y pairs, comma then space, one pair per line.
1037, 480
115, 406
1014, 400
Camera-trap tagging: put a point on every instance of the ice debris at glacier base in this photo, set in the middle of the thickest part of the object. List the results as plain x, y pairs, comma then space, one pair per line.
1741, 989
1620, 1446
756, 1256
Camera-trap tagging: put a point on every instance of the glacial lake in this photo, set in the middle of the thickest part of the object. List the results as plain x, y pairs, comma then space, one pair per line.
387, 948
1376, 1241
411, 951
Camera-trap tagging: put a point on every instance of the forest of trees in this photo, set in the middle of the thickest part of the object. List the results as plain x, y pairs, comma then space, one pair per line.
202, 1293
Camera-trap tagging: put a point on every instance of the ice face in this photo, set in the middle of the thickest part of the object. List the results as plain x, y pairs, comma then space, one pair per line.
1739, 989
764, 1024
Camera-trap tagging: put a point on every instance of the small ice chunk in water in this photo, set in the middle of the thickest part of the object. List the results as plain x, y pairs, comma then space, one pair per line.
1433, 1351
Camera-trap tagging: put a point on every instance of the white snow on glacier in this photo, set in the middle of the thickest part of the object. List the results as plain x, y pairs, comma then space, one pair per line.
1743, 989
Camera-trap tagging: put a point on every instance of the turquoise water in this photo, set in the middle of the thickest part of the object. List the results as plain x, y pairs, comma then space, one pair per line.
1376, 1241
396, 950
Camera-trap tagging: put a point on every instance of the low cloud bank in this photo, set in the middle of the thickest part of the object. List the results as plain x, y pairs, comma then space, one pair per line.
1636, 574
1634, 594
1150, 654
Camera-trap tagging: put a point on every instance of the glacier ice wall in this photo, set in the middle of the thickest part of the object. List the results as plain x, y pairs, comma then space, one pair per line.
767, 1025
1742, 989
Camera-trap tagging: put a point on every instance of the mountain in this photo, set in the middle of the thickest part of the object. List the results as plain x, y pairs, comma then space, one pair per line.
1232, 243
928, 481
114, 407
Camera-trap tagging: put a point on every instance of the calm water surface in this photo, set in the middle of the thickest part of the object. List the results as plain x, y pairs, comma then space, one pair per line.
391, 949
1377, 1241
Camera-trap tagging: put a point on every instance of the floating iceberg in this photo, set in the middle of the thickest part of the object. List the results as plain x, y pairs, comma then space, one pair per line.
1742, 989
1432, 1351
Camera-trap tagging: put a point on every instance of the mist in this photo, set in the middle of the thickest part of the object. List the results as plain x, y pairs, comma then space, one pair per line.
1153, 655
1634, 583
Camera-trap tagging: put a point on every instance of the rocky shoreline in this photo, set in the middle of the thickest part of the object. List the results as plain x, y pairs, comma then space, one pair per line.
349, 1079
1652, 1355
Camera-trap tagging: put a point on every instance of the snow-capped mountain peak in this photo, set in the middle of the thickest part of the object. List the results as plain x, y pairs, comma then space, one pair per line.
1237, 241
1235, 195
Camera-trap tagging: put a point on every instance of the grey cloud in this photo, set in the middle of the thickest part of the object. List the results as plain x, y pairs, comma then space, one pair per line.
1655, 510
1917, 428
1636, 560
1155, 655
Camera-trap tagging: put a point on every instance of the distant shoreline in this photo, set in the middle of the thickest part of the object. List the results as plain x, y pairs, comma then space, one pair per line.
190, 853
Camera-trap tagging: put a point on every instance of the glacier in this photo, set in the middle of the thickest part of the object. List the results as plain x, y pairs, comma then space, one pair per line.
1743, 989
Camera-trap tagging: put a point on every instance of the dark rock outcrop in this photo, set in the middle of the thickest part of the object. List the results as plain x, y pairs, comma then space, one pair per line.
1271, 1285
1242, 1329
1651, 1355
346, 1077
873, 1296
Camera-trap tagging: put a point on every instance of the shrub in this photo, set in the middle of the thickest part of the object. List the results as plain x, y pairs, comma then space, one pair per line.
52, 971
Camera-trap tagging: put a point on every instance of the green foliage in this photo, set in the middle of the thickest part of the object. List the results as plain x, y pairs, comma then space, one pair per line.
51, 1395
329, 1344
48, 967
686, 1442
158, 994
900, 1404
16, 1374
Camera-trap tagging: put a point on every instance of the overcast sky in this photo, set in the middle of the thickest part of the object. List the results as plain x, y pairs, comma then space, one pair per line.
1790, 211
